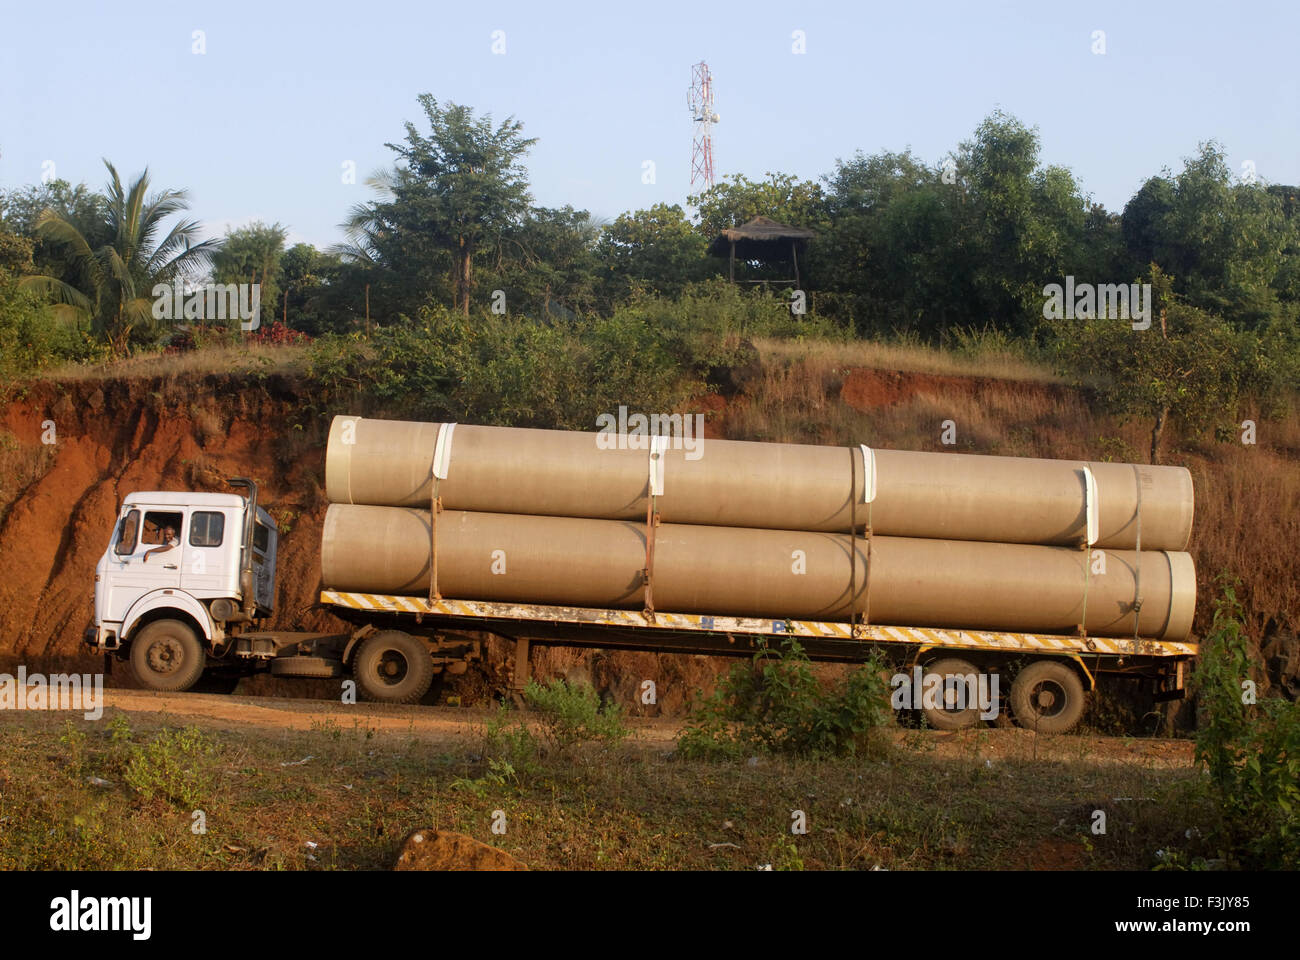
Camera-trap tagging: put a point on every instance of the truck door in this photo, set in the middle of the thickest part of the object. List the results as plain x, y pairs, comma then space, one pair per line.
265, 543
208, 560
130, 576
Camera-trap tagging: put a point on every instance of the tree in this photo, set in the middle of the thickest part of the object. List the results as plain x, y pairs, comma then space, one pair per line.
452, 194
1143, 221
1025, 222
324, 294
20, 210
1186, 367
894, 245
252, 254
1231, 244
967, 243
15, 253
656, 248
548, 262
30, 337
783, 197
111, 284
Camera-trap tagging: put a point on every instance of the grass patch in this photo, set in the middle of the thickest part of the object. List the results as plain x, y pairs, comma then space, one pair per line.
217, 358
973, 355
592, 807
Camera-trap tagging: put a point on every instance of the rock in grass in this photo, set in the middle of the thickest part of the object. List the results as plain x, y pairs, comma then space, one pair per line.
430, 849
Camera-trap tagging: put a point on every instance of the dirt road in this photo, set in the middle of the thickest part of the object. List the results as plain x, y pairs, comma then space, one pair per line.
455, 726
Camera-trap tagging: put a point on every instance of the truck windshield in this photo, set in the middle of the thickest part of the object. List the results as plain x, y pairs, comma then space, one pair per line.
126, 534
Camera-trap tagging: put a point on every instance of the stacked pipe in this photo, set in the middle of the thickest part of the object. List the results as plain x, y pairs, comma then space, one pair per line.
759, 529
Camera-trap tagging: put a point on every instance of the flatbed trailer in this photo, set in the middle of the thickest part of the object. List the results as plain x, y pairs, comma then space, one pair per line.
1161, 662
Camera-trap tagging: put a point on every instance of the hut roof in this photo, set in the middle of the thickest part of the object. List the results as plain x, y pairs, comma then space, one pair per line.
760, 239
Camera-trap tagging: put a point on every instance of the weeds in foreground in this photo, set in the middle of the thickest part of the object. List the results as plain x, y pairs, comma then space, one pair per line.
773, 704
169, 767
562, 716
1249, 748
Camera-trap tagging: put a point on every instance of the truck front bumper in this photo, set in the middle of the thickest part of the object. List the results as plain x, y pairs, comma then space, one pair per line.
101, 637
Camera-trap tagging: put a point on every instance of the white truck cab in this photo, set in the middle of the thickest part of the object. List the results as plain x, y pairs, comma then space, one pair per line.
179, 571
188, 582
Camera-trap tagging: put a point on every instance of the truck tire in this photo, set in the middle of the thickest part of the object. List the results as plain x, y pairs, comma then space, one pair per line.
392, 667
1047, 696
941, 718
306, 667
167, 655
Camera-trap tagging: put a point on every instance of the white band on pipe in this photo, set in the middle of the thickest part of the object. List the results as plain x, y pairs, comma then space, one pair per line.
350, 439
658, 445
442, 450
868, 473
1091, 505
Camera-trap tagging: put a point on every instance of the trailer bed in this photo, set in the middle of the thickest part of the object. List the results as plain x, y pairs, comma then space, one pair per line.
700, 633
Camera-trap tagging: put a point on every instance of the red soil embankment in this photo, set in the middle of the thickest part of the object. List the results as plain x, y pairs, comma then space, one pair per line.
113, 436
58, 504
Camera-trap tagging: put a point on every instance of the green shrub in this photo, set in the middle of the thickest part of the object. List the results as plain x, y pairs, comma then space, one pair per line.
653, 354
170, 767
75, 740
783, 855
32, 338
504, 370
570, 714
774, 704
509, 740
500, 773
1251, 751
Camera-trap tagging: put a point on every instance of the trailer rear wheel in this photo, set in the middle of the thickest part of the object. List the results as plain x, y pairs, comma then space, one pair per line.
166, 655
392, 667
945, 716
1047, 696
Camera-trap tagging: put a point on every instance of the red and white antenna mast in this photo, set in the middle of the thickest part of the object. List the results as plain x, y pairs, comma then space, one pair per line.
700, 101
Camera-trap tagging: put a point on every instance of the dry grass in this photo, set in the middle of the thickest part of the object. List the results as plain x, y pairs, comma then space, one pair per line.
1247, 497
915, 358
810, 401
214, 359
1247, 526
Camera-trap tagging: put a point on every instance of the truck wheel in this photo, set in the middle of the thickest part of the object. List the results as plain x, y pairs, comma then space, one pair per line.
945, 716
1047, 696
392, 667
306, 667
166, 655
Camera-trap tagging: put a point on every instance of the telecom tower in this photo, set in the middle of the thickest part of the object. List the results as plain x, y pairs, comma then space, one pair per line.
700, 101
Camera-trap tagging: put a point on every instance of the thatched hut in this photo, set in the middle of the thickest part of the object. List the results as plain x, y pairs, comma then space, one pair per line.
764, 240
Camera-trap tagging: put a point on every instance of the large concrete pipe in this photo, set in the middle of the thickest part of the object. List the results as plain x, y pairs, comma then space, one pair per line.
768, 485
763, 573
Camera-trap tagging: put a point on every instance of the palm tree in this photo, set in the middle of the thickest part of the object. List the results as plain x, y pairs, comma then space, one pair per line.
112, 286
365, 226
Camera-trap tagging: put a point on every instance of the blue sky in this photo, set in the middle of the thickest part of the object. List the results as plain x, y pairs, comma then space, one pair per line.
259, 126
